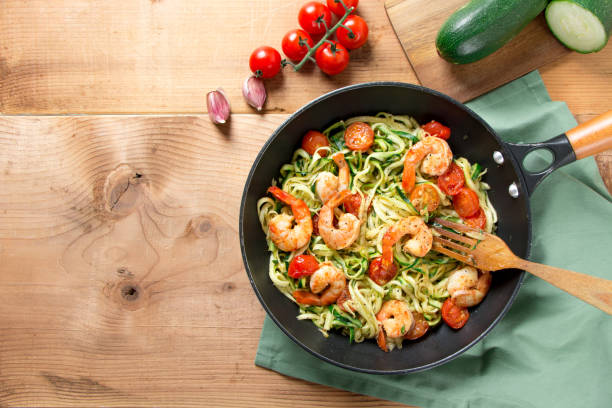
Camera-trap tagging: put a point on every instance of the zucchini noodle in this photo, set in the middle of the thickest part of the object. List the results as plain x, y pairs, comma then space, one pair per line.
376, 176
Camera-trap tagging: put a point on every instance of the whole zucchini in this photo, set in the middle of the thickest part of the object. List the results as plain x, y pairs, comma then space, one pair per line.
481, 27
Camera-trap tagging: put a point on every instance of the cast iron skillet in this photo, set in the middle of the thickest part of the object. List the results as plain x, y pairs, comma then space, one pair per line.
471, 138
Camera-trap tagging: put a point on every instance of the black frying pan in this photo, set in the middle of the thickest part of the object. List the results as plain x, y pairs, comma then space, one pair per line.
510, 190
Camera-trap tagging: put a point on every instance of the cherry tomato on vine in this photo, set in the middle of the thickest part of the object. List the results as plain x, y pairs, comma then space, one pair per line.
478, 220
357, 36
294, 44
303, 265
437, 129
455, 316
466, 203
312, 15
265, 62
336, 7
332, 58
312, 140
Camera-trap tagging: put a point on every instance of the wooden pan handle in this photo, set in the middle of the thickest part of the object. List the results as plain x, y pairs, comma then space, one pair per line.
592, 137
595, 291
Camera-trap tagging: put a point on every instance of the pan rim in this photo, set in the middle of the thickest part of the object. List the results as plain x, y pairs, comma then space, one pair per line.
507, 153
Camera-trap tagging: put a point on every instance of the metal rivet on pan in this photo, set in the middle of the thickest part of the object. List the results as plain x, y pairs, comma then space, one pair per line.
498, 157
513, 190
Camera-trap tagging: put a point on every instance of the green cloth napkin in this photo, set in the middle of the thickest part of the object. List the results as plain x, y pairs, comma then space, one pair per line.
551, 349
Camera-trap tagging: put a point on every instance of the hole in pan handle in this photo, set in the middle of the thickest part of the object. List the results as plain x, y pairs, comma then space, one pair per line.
586, 139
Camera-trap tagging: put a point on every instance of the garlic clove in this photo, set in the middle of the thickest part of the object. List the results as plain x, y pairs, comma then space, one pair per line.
218, 106
254, 92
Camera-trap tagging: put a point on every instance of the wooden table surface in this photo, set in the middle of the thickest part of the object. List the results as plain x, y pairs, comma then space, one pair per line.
120, 277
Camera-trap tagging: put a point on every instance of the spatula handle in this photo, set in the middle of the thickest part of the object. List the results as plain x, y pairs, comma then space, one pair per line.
595, 291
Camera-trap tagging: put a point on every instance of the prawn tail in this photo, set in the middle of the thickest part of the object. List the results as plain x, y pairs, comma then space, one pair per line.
408, 177
282, 195
306, 297
381, 340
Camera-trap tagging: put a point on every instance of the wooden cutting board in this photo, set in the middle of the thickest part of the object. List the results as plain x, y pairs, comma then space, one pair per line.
533, 47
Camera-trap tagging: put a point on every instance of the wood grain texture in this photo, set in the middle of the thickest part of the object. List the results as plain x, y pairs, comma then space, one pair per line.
121, 279
533, 47
142, 56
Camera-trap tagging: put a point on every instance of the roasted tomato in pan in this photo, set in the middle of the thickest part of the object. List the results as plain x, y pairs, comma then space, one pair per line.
303, 265
455, 316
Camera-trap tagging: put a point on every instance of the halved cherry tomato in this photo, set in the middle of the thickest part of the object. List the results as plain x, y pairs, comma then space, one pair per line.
379, 274
357, 36
336, 7
479, 220
420, 327
265, 62
294, 44
310, 16
303, 265
425, 196
332, 58
359, 136
437, 129
312, 140
455, 316
452, 180
466, 203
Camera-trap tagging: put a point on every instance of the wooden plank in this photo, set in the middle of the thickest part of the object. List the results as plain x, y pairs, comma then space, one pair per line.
532, 48
164, 56
134, 294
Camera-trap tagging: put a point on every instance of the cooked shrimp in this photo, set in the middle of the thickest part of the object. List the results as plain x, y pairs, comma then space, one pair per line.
435, 155
348, 228
326, 286
284, 234
419, 245
395, 319
327, 184
468, 287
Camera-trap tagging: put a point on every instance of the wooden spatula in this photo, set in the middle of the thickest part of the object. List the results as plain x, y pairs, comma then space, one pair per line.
490, 253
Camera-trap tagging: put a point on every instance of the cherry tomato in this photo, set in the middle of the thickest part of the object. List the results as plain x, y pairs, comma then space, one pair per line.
437, 129
479, 220
336, 7
303, 265
332, 58
452, 180
359, 136
466, 203
359, 34
294, 44
455, 316
265, 62
378, 274
420, 327
312, 140
425, 196
312, 15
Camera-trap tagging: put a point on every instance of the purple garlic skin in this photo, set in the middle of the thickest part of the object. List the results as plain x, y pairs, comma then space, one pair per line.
218, 106
254, 92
